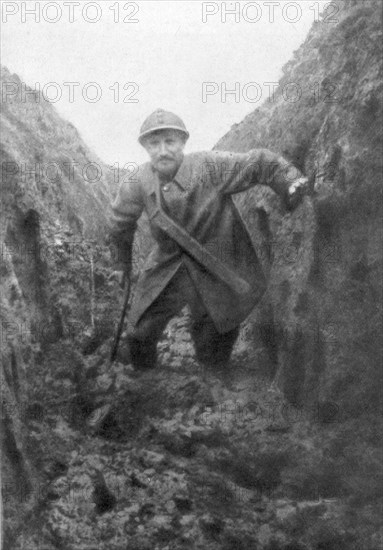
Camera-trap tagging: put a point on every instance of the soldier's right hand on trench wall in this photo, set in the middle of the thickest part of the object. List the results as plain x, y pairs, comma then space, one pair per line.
296, 192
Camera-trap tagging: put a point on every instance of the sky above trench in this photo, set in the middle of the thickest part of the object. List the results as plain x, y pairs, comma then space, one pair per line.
107, 65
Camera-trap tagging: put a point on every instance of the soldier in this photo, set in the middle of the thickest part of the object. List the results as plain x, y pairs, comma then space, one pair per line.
203, 255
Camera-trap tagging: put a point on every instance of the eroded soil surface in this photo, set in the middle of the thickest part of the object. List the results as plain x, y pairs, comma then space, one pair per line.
189, 458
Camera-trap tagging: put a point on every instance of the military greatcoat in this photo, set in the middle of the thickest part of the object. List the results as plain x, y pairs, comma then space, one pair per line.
199, 199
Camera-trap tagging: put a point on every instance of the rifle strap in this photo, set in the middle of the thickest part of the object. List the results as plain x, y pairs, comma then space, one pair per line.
194, 249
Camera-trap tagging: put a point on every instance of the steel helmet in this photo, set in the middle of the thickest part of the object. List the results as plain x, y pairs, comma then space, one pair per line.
162, 120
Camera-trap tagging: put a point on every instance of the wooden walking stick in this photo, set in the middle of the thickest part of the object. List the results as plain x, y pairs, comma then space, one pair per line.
96, 418
121, 323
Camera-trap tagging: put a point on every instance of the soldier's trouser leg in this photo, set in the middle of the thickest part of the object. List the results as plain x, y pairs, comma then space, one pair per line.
212, 348
144, 337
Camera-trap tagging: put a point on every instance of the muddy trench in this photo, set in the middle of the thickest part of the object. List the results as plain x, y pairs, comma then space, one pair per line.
283, 449
185, 457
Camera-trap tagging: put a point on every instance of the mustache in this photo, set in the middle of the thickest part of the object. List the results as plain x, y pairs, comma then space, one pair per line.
165, 157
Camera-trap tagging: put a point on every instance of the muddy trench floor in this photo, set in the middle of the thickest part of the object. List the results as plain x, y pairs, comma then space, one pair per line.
191, 458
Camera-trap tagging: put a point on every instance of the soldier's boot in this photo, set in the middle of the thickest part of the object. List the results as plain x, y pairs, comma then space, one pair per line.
212, 348
143, 354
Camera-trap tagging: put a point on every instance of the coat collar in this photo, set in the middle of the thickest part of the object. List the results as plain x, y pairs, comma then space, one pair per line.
183, 176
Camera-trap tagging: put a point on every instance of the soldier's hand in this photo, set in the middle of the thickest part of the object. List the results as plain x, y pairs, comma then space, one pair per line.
296, 192
119, 276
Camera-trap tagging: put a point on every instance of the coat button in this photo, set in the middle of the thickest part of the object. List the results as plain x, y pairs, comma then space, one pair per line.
165, 188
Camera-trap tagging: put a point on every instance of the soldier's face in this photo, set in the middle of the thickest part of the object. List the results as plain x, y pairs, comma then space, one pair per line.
165, 149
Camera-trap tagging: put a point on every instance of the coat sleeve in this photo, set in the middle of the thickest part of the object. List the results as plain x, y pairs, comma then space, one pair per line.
237, 172
125, 211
